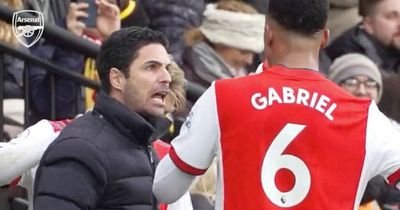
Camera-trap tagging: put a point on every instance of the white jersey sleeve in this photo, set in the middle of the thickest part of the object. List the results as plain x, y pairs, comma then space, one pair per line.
382, 146
24, 152
195, 148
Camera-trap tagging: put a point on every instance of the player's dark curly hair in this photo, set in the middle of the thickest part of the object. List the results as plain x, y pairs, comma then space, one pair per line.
121, 49
305, 17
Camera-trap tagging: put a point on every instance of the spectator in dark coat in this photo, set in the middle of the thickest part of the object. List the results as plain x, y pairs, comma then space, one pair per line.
69, 100
378, 37
13, 67
260, 5
104, 159
133, 13
173, 18
65, 90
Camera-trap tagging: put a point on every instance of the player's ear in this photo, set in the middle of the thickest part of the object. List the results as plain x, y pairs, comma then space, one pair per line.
325, 38
268, 34
268, 37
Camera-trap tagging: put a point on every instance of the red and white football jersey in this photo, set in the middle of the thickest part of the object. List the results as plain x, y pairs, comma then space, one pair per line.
184, 202
287, 139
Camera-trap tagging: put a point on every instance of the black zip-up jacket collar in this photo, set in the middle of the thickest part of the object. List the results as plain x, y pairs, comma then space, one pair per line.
128, 123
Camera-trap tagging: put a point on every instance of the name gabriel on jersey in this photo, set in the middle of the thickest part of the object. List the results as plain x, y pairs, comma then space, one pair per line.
300, 96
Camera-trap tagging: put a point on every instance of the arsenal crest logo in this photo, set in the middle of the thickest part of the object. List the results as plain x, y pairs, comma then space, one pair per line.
28, 26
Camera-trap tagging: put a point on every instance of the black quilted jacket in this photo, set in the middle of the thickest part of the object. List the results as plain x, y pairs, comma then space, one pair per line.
102, 160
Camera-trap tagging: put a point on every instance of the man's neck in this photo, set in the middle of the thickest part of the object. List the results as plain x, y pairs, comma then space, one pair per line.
298, 60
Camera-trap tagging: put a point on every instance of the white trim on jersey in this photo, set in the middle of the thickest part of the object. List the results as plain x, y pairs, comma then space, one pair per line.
170, 183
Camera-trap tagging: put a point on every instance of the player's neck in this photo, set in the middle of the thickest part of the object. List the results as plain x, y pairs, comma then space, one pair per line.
297, 60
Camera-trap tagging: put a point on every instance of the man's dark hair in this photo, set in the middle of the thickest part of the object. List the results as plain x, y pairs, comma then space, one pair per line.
365, 7
121, 49
304, 17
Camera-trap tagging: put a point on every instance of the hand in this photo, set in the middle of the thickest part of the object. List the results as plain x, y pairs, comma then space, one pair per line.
75, 12
108, 19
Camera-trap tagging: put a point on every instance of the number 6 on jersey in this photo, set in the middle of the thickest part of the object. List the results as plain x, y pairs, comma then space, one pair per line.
275, 160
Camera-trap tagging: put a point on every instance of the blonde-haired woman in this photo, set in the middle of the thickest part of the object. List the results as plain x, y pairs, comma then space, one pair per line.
225, 43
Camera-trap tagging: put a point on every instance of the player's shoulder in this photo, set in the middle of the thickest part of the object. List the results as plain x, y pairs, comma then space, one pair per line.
240, 82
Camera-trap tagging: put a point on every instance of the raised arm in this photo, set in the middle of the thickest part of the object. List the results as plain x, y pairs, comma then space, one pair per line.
192, 151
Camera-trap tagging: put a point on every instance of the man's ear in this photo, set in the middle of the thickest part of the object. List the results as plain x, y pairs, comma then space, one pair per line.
268, 34
325, 38
117, 79
367, 25
268, 37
